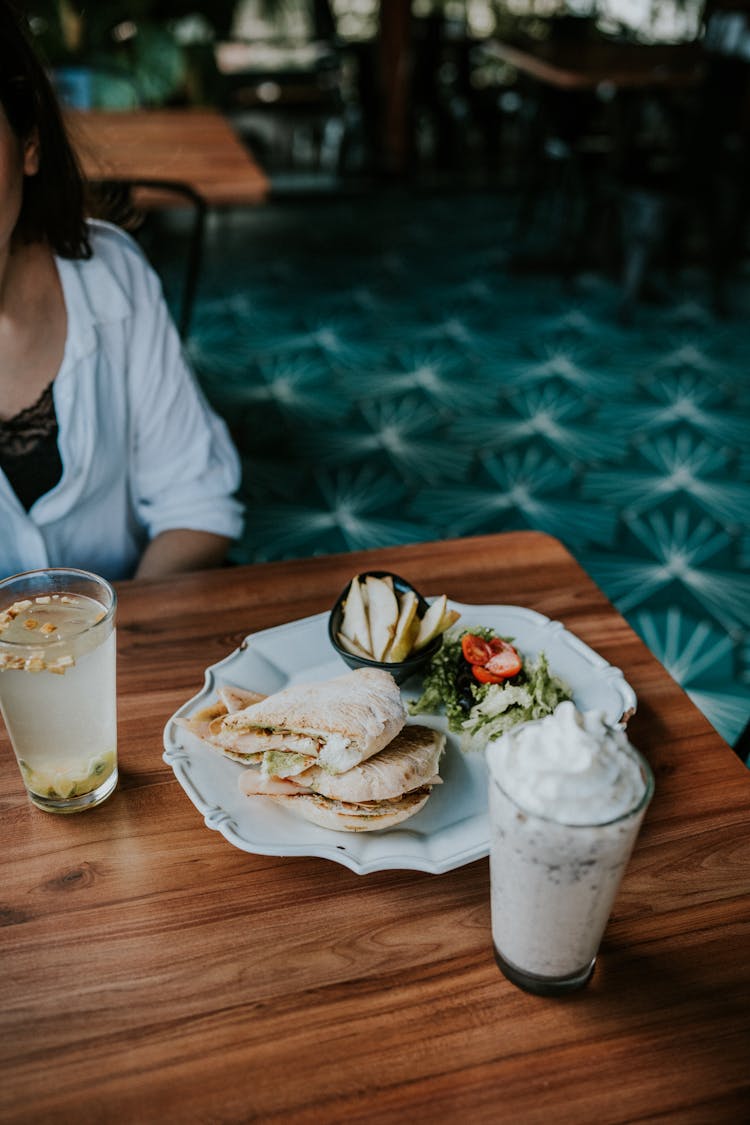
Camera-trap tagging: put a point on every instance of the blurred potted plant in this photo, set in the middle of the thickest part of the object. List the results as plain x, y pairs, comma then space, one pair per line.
121, 55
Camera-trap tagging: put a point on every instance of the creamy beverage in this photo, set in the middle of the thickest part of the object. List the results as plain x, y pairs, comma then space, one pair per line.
567, 797
57, 689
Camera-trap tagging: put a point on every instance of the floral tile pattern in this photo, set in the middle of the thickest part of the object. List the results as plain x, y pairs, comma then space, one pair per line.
388, 380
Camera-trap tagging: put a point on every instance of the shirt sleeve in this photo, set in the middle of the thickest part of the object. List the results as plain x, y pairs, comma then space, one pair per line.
184, 468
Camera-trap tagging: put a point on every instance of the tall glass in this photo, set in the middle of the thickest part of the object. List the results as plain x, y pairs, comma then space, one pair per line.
57, 685
553, 885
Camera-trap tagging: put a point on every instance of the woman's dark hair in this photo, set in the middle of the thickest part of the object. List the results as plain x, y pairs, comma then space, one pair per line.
54, 200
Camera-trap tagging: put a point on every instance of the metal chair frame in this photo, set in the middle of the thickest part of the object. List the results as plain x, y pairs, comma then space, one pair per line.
125, 219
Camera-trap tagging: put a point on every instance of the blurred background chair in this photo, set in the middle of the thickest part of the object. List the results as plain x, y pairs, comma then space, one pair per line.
685, 184
282, 78
120, 202
719, 141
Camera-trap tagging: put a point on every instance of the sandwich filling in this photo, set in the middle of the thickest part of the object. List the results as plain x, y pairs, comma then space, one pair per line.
398, 780
326, 747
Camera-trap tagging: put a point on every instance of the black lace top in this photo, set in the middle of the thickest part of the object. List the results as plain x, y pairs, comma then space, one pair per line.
28, 449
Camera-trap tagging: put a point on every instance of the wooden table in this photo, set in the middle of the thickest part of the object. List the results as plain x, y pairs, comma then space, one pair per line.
194, 147
153, 973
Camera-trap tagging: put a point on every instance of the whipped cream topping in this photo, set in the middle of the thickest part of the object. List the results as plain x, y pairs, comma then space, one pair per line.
570, 767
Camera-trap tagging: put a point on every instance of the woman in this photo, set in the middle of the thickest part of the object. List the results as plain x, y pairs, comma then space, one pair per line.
110, 457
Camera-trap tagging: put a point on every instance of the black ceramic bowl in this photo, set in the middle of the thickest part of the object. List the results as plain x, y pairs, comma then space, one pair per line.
413, 665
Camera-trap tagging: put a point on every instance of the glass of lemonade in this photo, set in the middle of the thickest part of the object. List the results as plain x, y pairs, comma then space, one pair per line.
57, 685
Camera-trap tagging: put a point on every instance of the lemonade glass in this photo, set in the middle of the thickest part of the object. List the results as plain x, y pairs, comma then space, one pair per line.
57, 685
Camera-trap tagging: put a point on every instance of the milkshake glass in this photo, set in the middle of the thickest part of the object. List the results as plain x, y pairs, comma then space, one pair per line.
57, 685
567, 797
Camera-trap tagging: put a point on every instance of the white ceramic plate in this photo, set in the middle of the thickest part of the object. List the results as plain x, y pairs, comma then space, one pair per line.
453, 827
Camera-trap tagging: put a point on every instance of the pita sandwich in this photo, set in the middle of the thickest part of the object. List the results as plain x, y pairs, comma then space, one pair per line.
335, 724
378, 793
206, 723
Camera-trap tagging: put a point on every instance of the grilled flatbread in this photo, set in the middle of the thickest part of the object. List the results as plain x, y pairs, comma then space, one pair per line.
335, 724
382, 791
341, 817
207, 722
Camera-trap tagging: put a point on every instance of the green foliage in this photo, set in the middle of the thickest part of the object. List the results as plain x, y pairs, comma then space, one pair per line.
131, 48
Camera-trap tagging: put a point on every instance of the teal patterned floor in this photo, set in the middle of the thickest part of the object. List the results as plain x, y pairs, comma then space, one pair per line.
388, 380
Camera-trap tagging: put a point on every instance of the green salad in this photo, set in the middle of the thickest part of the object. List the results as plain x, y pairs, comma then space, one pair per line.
485, 686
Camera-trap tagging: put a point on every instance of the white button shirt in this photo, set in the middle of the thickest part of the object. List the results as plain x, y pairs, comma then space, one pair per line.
141, 449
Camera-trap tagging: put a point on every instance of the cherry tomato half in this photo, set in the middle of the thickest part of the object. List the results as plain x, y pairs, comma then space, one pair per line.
476, 650
484, 676
505, 663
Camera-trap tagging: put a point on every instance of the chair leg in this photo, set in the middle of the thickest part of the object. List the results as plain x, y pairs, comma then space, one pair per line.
194, 261
643, 215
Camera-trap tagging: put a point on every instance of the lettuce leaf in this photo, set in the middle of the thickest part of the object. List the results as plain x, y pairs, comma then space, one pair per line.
439, 687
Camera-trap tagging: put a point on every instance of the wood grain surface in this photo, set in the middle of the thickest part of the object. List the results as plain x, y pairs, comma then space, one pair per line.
151, 972
196, 147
